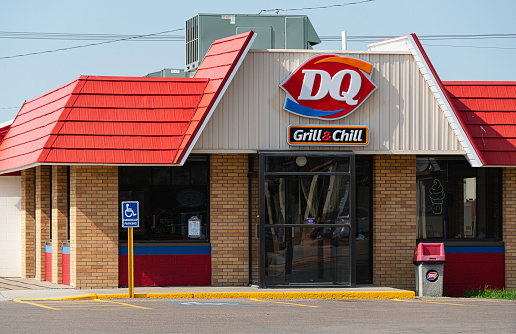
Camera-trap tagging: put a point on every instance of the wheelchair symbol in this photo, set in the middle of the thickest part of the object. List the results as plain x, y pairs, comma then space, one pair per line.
129, 212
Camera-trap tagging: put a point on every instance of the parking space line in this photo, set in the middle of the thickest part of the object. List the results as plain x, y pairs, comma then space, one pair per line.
270, 301
60, 305
429, 302
124, 304
35, 304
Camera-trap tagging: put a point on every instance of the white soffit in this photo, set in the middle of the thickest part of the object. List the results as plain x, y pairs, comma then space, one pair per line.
408, 43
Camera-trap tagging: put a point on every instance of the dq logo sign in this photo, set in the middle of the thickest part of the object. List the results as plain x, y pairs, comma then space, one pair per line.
432, 275
328, 87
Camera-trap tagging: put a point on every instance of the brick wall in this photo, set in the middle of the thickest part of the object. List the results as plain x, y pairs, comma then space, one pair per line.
509, 226
59, 210
229, 219
43, 212
93, 227
394, 220
27, 222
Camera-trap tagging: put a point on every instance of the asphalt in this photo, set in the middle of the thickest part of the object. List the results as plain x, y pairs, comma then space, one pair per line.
31, 289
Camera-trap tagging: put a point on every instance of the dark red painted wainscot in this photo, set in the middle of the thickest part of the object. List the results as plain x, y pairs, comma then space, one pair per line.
168, 266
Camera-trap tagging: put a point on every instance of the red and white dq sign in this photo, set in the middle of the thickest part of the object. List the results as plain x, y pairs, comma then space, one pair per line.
432, 275
328, 87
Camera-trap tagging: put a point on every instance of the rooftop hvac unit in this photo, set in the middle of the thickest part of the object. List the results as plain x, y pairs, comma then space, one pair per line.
273, 32
168, 73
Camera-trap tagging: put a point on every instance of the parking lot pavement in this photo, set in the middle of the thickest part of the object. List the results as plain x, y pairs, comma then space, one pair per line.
253, 315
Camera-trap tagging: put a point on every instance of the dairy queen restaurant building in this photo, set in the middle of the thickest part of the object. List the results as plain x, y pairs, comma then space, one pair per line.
268, 167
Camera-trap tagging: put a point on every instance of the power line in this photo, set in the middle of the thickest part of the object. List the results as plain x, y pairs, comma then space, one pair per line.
420, 37
472, 46
86, 45
170, 38
277, 10
93, 37
159, 37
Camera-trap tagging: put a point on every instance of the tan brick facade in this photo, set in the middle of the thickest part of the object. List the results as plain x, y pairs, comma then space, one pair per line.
43, 213
59, 213
394, 220
93, 227
229, 219
509, 226
28, 221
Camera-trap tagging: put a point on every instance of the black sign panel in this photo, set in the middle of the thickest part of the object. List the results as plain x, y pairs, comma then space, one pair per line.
333, 135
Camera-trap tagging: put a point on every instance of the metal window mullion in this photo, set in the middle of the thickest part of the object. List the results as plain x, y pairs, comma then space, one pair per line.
352, 229
261, 195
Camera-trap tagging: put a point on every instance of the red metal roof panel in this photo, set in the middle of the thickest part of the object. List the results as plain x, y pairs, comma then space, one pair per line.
488, 109
122, 120
78, 121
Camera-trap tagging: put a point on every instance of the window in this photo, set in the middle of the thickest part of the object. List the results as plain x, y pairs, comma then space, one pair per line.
457, 201
169, 197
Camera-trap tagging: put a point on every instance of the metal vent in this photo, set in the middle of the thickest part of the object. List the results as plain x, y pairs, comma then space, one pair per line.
192, 43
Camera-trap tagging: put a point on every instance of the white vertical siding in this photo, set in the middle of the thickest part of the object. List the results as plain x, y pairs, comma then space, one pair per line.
10, 226
402, 114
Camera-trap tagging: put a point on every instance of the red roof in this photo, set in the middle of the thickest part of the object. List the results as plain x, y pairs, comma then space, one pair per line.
122, 120
219, 65
488, 110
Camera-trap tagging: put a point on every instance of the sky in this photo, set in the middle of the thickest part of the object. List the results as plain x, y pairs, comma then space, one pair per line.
26, 77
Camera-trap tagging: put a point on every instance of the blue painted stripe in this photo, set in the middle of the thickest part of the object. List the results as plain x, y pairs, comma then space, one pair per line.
302, 110
474, 249
48, 249
168, 250
66, 249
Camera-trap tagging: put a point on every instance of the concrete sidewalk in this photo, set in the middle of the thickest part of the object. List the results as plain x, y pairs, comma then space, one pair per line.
18, 288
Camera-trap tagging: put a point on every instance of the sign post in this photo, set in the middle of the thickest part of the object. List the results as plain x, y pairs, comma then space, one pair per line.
130, 220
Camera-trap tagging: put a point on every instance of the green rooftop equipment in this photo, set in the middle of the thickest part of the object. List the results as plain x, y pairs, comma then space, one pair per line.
273, 32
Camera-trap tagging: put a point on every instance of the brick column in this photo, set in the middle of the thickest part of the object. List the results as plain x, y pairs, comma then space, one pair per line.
93, 227
59, 210
43, 212
229, 219
394, 220
509, 226
28, 221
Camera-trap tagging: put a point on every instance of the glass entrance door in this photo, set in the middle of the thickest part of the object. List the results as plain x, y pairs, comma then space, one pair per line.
307, 218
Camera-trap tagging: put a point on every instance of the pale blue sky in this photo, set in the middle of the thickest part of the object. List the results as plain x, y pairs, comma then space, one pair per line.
24, 78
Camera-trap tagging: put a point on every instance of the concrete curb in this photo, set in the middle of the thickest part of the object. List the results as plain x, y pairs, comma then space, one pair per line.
257, 295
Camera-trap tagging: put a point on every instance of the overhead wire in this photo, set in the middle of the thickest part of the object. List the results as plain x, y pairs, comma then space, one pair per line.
277, 10
81, 37
180, 38
87, 45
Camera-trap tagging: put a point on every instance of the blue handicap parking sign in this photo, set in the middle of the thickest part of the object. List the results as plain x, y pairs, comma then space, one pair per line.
130, 214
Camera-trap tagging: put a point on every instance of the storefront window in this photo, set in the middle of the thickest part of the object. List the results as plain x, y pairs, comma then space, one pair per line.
457, 201
169, 197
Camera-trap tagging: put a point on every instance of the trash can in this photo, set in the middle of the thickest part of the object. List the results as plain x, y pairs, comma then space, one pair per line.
429, 259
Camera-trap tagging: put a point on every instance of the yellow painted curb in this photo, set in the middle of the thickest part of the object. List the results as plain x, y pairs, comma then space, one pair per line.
185, 295
247, 295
